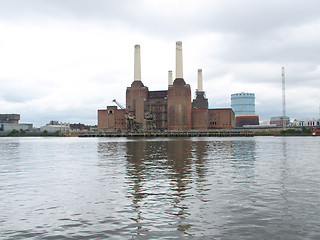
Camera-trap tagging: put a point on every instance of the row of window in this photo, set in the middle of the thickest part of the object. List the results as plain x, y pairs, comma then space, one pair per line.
301, 124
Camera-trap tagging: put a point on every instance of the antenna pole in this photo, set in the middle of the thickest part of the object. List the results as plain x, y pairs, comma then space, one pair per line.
283, 98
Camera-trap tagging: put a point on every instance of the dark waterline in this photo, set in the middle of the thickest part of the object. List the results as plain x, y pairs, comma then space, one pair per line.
191, 188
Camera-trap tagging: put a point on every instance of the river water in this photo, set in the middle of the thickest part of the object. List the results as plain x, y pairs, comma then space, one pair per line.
160, 188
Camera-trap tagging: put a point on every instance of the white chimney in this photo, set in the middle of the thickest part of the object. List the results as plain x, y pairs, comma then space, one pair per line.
200, 87
170, 81
137, 63
179, 65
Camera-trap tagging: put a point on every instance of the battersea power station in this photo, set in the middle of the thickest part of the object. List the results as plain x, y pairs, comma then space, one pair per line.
164, 110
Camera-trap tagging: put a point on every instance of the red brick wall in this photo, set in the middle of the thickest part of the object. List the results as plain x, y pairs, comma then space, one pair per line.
102, 120
135, 101
179, 106
111, 119
221, 118
242, 120
199, 119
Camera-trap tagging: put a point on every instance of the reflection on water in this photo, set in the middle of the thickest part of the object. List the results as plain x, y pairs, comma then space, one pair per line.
191, 188
244, 157
159, 174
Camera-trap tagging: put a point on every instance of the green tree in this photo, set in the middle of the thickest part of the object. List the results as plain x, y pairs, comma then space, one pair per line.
14, 132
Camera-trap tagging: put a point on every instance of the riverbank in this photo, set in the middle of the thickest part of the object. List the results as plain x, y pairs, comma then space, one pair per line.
212, 133
16, 133
282, 131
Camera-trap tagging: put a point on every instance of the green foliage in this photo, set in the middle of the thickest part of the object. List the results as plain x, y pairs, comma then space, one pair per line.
26, 133
306, 130
45, 133
22, 132
55, 134
292, 131
14, 132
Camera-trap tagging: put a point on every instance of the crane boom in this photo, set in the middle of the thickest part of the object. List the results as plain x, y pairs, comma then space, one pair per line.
132, 124
119, 105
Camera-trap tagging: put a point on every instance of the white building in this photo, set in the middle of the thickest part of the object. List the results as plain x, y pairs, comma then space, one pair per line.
57, 127
9, 122
306, 122
8, 127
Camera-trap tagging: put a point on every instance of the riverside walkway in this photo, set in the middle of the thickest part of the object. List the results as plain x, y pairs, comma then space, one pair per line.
221, 133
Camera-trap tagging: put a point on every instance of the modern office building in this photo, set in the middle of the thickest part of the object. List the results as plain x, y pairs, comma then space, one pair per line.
243, 105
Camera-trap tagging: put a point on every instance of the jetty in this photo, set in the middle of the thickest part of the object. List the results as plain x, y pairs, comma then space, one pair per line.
222, 133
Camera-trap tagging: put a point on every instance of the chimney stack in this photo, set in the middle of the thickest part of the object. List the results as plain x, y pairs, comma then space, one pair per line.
179, 65
137, 63
200, 87
170, 81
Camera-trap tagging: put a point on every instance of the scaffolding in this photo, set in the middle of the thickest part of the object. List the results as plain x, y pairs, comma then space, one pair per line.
131, 124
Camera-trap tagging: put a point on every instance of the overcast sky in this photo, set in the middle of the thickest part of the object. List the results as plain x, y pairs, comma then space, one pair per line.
65, 59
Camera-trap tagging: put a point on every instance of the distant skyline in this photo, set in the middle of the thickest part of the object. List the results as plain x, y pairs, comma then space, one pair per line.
63, 60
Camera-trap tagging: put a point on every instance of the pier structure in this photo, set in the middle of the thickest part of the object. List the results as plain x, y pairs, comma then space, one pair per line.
174, 134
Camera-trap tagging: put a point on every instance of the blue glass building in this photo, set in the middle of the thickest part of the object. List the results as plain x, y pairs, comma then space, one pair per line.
243, 103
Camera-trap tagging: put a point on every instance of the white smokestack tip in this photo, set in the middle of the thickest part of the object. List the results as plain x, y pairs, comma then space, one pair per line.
200, 84
170, 80
137, 63
179, 64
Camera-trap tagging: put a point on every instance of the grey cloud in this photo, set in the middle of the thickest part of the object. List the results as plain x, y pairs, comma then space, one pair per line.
39, 117
16, 9
247, 17
17, 91
264, 32
260, 17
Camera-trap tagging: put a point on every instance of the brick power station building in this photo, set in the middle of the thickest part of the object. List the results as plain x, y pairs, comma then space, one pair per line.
170, 109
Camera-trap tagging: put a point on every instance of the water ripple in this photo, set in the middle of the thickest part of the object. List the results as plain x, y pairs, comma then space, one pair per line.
192, 188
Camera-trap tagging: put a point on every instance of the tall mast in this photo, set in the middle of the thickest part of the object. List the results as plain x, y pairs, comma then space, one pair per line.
283, 97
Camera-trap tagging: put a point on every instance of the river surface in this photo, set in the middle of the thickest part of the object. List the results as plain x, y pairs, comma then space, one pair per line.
160, 188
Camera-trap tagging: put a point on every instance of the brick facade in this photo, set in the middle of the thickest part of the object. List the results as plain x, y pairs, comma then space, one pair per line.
223, 118
136, 96
179, 105
200, 118
243, 120
111, 119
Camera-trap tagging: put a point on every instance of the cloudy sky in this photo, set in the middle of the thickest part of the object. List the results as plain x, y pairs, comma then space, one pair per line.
64, 59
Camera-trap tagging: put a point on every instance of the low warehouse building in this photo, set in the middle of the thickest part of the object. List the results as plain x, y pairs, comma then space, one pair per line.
246, 120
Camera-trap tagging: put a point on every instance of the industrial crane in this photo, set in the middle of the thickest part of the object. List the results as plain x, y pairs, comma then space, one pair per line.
132, 124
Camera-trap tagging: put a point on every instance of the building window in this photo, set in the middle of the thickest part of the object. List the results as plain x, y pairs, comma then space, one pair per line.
110, 112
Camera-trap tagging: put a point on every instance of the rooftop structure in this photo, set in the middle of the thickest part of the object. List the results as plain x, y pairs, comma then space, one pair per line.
9, 118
